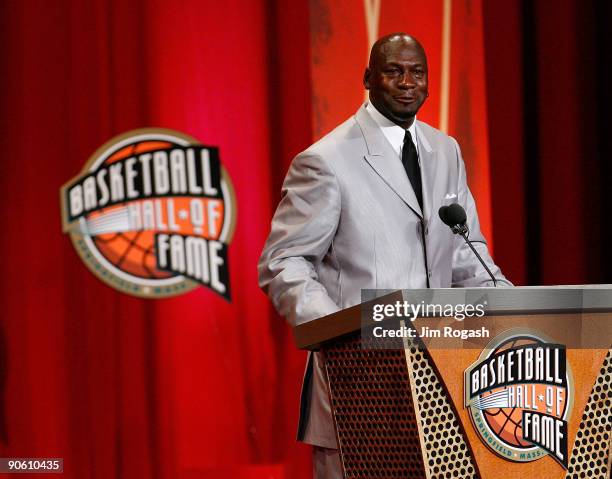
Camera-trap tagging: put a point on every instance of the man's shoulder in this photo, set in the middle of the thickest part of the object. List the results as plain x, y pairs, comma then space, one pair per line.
435, 137
345, 138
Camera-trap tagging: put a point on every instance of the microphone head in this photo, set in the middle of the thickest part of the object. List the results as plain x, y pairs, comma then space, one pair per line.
453, 215
442, 214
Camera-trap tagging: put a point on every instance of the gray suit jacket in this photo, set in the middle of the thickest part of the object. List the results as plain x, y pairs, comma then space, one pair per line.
349, 220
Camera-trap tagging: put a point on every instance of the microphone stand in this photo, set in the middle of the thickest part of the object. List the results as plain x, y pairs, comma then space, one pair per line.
464, 232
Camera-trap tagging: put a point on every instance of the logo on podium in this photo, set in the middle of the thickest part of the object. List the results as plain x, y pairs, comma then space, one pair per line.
519, 394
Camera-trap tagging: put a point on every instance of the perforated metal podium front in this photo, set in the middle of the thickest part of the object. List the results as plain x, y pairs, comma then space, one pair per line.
383, 432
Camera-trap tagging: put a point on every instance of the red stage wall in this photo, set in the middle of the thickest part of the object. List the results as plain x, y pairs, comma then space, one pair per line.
118, 386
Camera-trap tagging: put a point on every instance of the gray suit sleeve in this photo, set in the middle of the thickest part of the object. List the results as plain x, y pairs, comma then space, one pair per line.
467, 270
301, 234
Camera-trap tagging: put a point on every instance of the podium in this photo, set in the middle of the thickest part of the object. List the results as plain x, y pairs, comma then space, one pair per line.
531, 398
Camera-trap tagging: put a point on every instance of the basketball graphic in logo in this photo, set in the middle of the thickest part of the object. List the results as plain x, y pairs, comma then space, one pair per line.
507, 422
518, 395
152, 213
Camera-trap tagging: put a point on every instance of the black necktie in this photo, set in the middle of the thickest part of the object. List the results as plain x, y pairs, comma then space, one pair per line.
410, 160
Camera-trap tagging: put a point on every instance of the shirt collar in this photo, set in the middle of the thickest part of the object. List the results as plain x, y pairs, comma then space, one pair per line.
394, 133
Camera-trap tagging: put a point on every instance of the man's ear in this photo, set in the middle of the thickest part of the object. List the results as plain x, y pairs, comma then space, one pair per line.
366, 78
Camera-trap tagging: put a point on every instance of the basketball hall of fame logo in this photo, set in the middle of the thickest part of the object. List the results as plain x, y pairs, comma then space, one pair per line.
519, 393
152, 213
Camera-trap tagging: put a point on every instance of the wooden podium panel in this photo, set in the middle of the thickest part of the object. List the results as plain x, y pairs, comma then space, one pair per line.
588, 369
399, 411
383, 432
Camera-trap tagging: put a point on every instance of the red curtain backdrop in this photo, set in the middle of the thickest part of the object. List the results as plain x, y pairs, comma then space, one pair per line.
549, 103
194, 386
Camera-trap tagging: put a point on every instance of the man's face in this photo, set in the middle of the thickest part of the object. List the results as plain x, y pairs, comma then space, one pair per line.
397, 81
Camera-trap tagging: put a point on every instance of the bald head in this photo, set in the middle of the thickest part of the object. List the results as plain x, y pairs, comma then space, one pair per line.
396, 77
391, 42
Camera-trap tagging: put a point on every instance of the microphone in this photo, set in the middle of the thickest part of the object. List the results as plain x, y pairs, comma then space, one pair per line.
455, 217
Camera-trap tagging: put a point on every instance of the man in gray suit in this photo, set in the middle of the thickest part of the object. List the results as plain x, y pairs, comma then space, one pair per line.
359, 211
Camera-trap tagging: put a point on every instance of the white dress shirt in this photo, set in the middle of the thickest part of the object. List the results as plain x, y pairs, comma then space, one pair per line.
393, 132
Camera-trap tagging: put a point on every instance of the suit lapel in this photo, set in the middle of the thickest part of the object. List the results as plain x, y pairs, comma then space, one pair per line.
383, 159
427, 157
